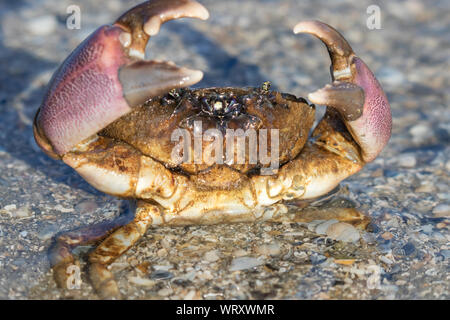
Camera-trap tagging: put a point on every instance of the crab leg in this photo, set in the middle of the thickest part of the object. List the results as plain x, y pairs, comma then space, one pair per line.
355, 92
113, 247
106, 76
60, 253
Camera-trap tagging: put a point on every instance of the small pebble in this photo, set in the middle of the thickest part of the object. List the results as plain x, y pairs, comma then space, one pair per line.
342, 231
87, 206
391, 76
47, 232
243, 263
191, 295
158, 267
346, 262
166, 244
441, 210
426, 188
272, 249
317, 258
348, 281
239, 253
62, 209
386, 260
419, 130
407, 161
205, 275
323, 227
313, 224
421, 133
10, 207
43, 25
387, 235
441, 225
162, 252
409, 248
427, 229
161, 275
165, 292
445, 253
438, 236
211, 256
21, 212
141, 281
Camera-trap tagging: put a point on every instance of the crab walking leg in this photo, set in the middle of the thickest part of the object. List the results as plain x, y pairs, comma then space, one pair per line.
355, 92
60, 253
113, 247
317, 170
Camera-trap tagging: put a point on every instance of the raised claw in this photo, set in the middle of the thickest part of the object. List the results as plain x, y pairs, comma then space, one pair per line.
106, 76
338, 48
355, 91
144, 20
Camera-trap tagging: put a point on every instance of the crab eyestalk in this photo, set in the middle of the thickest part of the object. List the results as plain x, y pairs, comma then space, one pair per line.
106, 76
355, 92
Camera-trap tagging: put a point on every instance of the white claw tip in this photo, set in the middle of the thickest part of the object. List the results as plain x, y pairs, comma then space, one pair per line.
152, 26
310, 26
190, 9
136, 54
202, 13
318, 97
125, 39
301, 27
194, 76
193, 9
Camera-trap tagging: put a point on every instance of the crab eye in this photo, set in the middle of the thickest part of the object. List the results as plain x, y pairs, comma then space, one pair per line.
218, 106
232, 106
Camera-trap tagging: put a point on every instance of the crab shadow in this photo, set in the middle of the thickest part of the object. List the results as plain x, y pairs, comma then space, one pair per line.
16, 137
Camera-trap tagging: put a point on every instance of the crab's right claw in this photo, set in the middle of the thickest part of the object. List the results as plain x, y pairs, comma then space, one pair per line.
106, 76
355, 92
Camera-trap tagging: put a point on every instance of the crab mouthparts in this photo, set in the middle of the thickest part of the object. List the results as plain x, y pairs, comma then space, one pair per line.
221, 105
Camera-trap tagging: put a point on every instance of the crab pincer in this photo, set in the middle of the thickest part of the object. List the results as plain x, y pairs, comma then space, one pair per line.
355, 92
106, 76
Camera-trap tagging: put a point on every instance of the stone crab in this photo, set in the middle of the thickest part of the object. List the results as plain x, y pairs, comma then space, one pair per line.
110, 114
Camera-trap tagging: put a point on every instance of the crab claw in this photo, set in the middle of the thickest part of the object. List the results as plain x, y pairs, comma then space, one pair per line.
355, 92
106, 76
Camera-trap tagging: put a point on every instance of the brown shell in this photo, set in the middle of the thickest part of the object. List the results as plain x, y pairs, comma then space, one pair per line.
149, 127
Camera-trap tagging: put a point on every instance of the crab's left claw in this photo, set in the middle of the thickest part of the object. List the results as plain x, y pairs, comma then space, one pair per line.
355, 92
106, 76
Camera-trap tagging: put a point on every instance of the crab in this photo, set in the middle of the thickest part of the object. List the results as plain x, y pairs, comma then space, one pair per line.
111, 115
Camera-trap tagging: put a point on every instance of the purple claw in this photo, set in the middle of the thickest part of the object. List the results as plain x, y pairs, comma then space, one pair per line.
367, 116
106, 76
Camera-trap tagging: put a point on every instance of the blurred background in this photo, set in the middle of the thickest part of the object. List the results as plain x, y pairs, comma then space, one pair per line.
405, 191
